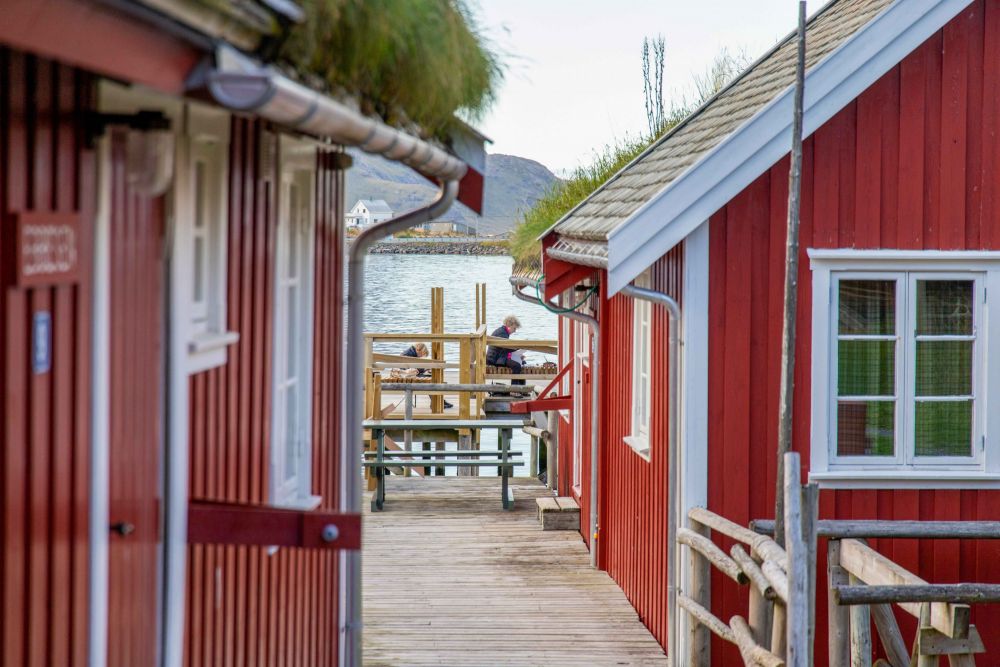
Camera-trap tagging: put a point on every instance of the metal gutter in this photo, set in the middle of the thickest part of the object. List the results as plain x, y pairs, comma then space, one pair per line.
673, 476
595, 337
353, 391
240, 84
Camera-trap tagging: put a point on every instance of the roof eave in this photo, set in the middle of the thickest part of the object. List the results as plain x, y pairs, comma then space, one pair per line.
722, 173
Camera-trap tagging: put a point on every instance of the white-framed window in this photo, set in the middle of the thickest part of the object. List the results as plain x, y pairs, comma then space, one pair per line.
291, 435
902, 366
201, 234
581, 366
642, 361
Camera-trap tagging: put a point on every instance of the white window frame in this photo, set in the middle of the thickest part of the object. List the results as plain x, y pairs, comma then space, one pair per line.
642, 371
581, 364
206, 144
905, 469
293, 488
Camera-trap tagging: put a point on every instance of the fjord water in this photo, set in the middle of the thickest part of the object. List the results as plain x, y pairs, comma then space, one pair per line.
398, 300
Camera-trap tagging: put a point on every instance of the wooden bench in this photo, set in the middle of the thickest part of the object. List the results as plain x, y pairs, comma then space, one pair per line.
381, 460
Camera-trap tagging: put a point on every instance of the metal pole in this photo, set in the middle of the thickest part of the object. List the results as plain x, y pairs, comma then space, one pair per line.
595, 337
353, 386
791, 285
673, 474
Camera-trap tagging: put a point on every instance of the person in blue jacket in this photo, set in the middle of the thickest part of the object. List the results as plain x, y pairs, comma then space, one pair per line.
501, 356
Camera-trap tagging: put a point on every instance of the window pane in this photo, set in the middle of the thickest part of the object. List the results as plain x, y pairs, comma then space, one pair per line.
291, 431
944, 307
943, 428
866, 368
199, 269
944, 368
867, 307
866, 428
199, 195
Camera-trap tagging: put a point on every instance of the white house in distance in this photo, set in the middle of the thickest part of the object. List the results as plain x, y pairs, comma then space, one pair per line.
368, 211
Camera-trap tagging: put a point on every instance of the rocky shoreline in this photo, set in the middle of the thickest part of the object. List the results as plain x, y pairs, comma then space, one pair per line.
440, 248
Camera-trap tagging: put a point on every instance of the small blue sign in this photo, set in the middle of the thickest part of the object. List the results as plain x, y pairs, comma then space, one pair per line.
41, 343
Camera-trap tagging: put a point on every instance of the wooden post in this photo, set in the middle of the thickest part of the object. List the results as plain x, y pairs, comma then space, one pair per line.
861, 633
439, 470
787, 391
779, 624
408, 434
889, 634
924, 622
464, 443
699, 589
761, 608
810, 515
838, 617
437, 347
533, 458
798, 567
552, 451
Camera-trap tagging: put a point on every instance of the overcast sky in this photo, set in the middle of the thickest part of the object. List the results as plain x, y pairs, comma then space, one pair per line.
574, 79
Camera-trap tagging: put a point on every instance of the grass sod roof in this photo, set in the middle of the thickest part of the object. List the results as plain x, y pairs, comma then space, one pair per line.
409, 61
615, 201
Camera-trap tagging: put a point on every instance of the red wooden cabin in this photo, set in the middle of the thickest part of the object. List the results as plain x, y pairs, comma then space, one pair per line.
897, 353
171, 261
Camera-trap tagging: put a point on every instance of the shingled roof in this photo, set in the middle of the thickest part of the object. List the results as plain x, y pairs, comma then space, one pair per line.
584, 230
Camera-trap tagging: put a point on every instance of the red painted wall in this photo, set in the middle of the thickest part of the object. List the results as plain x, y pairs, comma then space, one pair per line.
912, 163
44, 417
136, 244
245, 606
633, 507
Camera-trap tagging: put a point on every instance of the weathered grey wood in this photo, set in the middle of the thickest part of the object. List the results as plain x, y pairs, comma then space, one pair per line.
889, 635
762, 545
416, 424
436, 455
797, 642
439, 463
753, 572
810, 514
533, 457
932, 642
838, 618
552, 451
875, 569
777, 578
954, 593
465, 444
924, 623
779, 629
713, 553
699, 589
752, 652
705, 618
408, 413
861, 632
535, 432
759, 616
863, 529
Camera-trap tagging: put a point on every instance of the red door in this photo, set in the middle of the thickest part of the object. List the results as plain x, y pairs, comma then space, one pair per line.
136, 417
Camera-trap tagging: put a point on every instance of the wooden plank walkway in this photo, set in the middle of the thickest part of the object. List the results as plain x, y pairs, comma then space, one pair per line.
452, 580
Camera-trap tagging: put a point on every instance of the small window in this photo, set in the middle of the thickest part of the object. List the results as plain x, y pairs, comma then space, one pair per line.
903, 387
642, 357
201, 237
291, 435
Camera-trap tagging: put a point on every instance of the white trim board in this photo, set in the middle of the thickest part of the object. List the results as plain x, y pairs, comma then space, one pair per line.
666, 219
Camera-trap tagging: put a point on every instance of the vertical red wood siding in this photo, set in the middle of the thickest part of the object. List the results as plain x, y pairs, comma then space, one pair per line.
44, 417
245, 606
633, 490
136, 423
911, 163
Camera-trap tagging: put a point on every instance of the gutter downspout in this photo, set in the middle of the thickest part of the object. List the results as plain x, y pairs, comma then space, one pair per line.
595, 350
673, 476
353, 387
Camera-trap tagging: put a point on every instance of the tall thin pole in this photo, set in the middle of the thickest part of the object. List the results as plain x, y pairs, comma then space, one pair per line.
791, 285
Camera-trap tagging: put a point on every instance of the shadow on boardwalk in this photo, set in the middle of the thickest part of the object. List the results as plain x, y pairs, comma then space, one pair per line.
452, 580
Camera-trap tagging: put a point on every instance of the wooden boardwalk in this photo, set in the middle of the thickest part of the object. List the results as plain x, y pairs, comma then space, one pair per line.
452, 580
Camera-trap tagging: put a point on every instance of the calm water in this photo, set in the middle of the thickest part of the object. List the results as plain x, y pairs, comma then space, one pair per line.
398, 300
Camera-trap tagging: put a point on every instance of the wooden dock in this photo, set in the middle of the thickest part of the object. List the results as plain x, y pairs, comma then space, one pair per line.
451, 580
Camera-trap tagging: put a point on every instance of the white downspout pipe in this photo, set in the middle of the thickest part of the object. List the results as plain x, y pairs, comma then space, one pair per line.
353, 388
595, 350
673, 476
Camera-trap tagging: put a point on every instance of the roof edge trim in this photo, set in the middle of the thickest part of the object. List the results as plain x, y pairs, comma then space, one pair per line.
721, 174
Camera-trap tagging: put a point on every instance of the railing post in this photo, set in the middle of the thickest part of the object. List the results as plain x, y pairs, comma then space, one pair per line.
552, 452
861, 632
797, 641
838, 617
700, 590
760, 612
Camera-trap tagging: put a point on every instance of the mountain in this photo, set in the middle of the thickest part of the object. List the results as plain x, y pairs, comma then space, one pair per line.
513, 184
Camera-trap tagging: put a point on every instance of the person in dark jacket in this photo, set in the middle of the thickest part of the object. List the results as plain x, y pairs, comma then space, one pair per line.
500, 356
419, 350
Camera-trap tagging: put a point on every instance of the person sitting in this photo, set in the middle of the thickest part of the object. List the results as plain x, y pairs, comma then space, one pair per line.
419, 350
501, 356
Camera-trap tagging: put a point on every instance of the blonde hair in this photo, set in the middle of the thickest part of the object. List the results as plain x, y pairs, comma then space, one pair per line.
421, 349
511, 322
